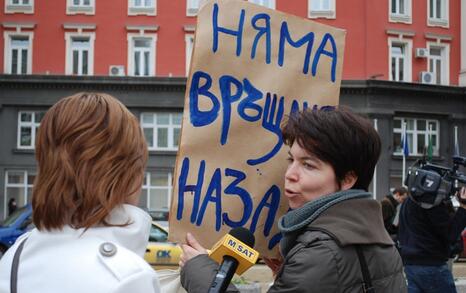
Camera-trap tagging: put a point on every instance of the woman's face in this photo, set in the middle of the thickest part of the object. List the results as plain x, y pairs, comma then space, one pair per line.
307, 178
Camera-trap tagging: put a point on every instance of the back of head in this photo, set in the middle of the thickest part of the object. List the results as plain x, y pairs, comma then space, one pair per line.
345, 140
91, 157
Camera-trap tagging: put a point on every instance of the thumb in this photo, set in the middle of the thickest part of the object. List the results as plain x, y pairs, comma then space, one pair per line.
193, 242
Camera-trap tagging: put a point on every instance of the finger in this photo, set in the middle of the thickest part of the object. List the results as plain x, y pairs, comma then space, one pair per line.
193, 242
185, 248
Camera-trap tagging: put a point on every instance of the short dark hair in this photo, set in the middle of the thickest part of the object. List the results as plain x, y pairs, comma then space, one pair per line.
339, 137
400, 190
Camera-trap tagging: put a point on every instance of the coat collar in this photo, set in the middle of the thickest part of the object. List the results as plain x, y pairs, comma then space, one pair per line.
356, 221
133, 234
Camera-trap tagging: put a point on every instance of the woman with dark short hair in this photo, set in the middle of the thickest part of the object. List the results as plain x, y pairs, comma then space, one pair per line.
90, 236
333, 238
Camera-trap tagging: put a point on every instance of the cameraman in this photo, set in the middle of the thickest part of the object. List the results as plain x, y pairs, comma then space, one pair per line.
425, 236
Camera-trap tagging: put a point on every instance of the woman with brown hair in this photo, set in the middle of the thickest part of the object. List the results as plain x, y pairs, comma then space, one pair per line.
333, 236
90, 236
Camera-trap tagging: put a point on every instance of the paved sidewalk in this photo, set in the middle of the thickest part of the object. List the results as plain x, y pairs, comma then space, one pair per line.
460, 285
261, 274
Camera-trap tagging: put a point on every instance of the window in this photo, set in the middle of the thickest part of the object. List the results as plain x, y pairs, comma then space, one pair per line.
439, 62
418, 132
400, 11
142, 7
321, 9
438, 13
80, 53
156, 191
141, 59
266, 3
193, 6
189, 51
18, 185
28, 124
81, 3
400, 60
162, 130
19, 6
19, 2
80, 7
18, 53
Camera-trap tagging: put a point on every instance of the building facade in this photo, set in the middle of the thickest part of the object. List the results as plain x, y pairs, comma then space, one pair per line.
405, 64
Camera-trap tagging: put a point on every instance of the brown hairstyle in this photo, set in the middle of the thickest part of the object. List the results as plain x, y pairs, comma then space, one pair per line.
400, 190
91, 156
346, 141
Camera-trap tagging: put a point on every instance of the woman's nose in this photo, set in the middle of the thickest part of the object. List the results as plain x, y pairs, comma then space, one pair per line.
291, 172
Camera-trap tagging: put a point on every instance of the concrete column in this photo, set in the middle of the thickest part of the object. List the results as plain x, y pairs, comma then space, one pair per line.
462, 77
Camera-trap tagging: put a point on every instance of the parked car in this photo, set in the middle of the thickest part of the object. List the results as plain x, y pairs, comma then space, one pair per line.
160, 217
14, 226
160, 253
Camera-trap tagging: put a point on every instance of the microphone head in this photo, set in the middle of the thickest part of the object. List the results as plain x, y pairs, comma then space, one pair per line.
243, 235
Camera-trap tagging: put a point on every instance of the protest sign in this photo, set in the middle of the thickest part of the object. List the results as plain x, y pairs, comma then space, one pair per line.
251, 67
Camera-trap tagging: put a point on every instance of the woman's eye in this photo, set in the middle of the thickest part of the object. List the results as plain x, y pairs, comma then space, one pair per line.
307, 165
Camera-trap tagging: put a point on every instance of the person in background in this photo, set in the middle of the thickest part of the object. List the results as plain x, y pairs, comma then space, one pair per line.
426, 237
12, 206
90, 236
391, 209
334, 231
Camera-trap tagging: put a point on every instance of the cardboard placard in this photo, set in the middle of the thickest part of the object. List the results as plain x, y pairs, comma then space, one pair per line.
251, 67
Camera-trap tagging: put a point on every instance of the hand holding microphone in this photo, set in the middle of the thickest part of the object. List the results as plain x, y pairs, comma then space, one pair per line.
234, 252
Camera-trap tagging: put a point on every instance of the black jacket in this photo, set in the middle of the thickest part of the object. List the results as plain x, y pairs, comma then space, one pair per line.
426, 235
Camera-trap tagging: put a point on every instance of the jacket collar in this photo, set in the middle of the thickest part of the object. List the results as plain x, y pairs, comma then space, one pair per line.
133, 233
356, 221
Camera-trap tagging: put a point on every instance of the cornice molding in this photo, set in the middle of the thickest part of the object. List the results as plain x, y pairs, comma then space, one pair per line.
173, 84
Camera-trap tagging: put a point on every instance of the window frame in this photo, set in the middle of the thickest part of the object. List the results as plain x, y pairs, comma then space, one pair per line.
148, 187
72, 9
329, 14
444, 20
152, 57
11, 8
142, 10
189, 43
155, 126
414, 133
69, 56
445, 51
272, 4
8, 36
193, 11
32, 124
408, 64
25, 186
400, 17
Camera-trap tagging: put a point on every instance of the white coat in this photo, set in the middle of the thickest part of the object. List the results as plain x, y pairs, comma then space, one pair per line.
72, 261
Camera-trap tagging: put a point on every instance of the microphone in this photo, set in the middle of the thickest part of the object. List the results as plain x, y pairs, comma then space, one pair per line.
234, 252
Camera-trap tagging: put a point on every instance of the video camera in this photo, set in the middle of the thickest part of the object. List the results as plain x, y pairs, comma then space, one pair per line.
430, 184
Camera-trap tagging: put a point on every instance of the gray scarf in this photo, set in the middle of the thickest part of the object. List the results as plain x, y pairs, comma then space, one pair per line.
291, 223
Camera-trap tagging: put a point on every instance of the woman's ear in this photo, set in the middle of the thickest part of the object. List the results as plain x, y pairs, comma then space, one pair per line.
349, 180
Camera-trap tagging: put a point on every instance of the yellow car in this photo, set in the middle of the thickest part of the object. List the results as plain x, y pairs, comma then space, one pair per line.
160, 253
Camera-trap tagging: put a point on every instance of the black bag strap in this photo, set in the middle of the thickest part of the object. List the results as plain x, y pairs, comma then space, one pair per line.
14, 268
367, 282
